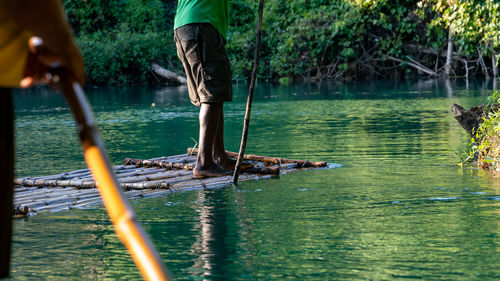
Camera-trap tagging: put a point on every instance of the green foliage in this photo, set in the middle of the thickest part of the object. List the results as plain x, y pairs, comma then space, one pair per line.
144, 15
320, 38
241, 38
474, 24
89, 16
124, 56
284, 81
120, 39
301, 38
485, 147
313, 39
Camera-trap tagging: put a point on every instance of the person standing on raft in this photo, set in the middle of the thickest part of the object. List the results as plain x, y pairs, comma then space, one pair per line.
19, 20
200, 29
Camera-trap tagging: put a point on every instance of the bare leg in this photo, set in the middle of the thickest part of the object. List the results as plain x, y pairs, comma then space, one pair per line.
209, 122
6, 178
219, 153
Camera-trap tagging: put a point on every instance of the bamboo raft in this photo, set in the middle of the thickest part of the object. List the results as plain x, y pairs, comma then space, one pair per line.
139, 178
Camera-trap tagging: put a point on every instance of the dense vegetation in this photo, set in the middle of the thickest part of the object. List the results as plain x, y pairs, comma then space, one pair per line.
485, 143
312, 39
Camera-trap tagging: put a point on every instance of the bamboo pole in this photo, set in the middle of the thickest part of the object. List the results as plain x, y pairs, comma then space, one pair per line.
29, 193
159, 163
123, 182
87, 203
143, 172
261, 170
155, 193
147, 185
121, 214
274, 160
248, 110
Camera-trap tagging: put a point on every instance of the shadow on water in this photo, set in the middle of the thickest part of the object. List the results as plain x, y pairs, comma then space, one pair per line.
397, 207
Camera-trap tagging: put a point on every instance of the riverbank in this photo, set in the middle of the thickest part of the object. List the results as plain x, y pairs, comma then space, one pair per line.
486, 139
312, 40
399, 207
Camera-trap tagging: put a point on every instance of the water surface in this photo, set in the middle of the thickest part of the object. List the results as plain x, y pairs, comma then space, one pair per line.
398, 207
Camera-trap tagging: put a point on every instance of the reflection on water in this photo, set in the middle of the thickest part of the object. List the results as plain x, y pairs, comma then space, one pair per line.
397, 207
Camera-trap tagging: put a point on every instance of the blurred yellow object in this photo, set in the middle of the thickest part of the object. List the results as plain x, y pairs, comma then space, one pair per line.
121, 214
13, 51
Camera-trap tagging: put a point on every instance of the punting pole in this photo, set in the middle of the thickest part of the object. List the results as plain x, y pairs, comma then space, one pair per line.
128, 229
246, 123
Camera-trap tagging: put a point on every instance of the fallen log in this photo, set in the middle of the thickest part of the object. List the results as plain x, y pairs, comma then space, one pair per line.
415, 65
267, 159
167, 74
449, 54
471, 119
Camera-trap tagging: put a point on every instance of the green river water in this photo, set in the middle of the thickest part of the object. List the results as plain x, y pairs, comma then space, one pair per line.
396, 207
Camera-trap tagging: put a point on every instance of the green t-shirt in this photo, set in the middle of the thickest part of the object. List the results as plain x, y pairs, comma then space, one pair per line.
215, 12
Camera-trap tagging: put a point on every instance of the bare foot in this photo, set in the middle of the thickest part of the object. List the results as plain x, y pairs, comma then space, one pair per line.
226, 162
230, 163
216, 171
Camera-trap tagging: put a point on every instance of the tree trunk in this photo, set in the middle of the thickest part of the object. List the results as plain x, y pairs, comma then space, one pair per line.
494, 64
495, 70
449, 54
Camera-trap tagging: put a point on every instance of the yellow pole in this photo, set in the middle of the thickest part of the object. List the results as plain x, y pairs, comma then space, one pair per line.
128, 229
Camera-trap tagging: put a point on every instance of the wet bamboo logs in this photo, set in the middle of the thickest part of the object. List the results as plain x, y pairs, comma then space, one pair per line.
190, 166
158, 163
275, 170
158, 179
267, 159
78, 183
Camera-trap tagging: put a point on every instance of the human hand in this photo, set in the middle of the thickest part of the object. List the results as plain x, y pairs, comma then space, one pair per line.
42, 61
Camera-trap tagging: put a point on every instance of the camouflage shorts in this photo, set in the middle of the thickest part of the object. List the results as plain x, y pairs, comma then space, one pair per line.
202, 51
